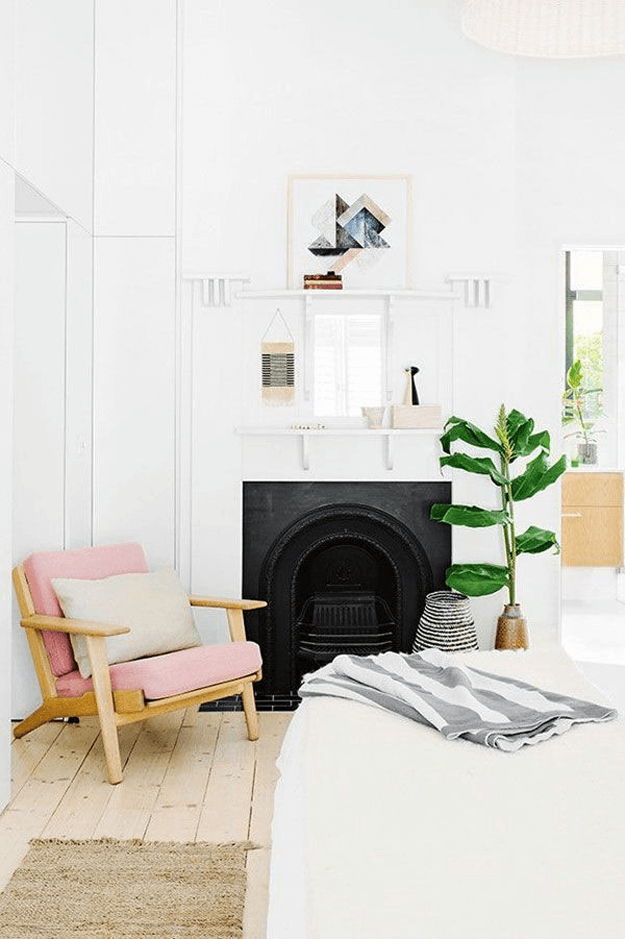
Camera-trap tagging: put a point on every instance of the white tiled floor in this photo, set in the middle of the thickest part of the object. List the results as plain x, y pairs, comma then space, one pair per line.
593, 634
594, 630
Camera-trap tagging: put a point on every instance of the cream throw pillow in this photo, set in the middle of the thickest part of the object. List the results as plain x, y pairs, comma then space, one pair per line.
154, 606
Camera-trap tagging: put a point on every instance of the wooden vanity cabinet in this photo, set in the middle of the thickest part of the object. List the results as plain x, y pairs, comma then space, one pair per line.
592, 519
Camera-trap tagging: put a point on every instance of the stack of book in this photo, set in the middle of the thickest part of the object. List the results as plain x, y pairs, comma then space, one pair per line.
329, 281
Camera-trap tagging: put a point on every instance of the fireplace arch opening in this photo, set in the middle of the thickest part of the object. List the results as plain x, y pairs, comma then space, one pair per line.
341, 578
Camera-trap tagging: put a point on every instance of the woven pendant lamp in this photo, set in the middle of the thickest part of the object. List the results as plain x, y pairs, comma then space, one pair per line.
549, 28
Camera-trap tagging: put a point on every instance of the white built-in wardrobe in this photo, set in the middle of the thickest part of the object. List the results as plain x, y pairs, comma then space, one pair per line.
51, 404
94, 399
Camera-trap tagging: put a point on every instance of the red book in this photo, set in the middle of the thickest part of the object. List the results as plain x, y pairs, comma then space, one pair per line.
320, 286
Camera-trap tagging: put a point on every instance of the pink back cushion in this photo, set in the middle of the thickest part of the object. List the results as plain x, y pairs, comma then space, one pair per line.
81, 564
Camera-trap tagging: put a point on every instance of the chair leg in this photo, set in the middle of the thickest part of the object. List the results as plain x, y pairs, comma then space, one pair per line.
106, 709
41, 716
249, 706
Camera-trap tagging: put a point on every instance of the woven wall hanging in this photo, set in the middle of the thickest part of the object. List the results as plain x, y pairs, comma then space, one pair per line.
278, 363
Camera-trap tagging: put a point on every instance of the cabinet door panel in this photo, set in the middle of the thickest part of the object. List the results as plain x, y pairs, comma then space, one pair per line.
592, 489
134, 394
39, 418
592, 536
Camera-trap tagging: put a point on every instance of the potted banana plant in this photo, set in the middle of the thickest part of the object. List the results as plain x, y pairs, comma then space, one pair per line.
514, 439
576, 402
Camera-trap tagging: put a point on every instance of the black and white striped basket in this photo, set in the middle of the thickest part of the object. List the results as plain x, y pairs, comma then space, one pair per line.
446, 623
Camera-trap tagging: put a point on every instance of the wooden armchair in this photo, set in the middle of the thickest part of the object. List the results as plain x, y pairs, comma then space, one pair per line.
130, 691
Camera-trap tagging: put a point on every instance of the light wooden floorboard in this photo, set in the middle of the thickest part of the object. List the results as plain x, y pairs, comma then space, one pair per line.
225, 814
81, 808
177, 810
272, 730
130, 807
256, 894
28, 813
29, 751
187, 776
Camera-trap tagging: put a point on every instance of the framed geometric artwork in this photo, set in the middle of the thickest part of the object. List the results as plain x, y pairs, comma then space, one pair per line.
357, 226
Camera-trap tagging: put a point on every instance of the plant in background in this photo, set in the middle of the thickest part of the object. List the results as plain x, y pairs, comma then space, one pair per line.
576, 402
514, 439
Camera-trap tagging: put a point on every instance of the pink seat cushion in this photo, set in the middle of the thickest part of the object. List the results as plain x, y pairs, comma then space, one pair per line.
81, 564
174, 673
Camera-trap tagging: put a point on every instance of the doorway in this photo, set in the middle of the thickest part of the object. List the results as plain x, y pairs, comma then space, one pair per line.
593, 412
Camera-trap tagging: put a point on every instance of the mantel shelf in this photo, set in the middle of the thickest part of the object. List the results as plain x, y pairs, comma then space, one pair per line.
387, 434
316, 294
336, 431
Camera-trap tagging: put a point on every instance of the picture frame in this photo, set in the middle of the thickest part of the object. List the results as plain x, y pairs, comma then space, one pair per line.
358, 225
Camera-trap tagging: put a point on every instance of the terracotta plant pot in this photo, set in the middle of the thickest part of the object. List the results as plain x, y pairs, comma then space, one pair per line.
512, 628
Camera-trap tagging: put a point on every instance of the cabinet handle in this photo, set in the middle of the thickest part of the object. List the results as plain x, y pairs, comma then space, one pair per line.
571, 515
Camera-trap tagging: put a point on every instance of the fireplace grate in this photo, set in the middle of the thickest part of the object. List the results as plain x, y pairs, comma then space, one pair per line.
352, 622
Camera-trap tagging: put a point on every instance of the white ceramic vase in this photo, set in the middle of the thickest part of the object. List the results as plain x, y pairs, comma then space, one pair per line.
375, 417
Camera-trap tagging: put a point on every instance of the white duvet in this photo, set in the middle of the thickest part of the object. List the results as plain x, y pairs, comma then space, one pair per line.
385, 830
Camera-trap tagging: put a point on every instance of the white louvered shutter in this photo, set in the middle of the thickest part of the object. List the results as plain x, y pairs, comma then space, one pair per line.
347, 364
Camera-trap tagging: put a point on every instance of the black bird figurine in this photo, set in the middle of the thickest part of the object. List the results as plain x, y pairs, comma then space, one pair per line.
412, 395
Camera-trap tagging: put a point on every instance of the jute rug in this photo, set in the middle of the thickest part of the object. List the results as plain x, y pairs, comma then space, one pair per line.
126, 890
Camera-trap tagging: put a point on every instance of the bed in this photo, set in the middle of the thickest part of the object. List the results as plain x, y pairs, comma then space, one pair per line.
384, 830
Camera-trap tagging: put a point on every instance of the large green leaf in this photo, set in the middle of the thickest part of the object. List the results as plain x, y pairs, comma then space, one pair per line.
537, 476
522, 437
476, 580
574, 376
471, 516
520, 429
541, 439
516, 422
536, 540
457, 428
473, 464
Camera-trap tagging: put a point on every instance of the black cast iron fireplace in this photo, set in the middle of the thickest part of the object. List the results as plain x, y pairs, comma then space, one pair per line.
344, 567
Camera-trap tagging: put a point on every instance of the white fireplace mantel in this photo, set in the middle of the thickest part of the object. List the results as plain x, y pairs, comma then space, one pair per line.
311, 295
386, 434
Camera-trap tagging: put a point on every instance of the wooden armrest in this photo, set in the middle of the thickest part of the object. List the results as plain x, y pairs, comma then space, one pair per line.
59, 624
222, 604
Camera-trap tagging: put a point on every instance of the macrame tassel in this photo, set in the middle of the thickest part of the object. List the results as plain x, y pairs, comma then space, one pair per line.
278, 369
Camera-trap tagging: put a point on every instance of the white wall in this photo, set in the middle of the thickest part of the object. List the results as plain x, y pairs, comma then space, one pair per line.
7, 178
101, 371
135, 299
53, 350
266, 93
54, 102
98, 383
7, 185
135, 126
570, 191
511, 160
7, 81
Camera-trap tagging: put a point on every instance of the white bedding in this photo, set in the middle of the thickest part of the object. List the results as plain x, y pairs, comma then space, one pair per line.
384, 830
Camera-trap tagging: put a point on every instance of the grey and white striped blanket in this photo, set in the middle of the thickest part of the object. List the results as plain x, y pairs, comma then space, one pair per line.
457, 700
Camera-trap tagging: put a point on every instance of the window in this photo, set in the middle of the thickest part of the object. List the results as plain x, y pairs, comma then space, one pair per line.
584, 323
348, 356
595, 332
